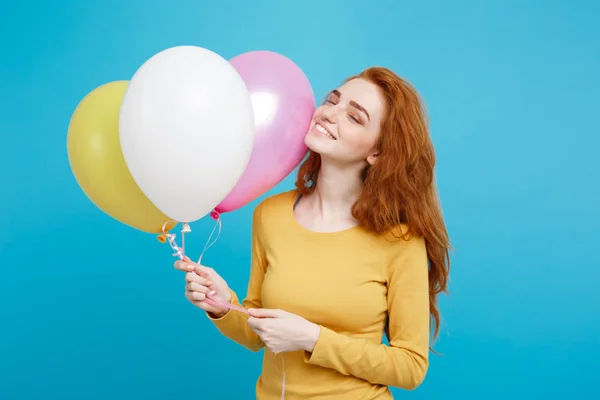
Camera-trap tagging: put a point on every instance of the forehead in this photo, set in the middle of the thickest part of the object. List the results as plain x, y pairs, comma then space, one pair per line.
364, 93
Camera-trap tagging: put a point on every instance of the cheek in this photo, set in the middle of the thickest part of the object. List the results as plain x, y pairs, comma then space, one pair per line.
359, 141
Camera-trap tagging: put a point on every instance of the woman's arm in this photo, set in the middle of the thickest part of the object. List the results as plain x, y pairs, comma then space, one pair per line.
234, 324
404, 362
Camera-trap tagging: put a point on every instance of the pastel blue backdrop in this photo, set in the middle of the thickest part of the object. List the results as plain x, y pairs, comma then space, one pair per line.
90, 309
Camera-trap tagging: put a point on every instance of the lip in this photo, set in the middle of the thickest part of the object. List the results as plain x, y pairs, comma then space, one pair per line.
322, 125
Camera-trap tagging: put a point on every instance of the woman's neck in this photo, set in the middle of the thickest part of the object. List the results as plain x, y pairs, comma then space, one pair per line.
338, 188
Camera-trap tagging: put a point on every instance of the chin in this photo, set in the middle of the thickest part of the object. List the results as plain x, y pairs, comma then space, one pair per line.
315, 143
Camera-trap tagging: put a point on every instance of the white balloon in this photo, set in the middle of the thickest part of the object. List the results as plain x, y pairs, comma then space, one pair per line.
187, 130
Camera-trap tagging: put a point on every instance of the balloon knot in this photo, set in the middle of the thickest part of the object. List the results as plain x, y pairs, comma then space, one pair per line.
214, 214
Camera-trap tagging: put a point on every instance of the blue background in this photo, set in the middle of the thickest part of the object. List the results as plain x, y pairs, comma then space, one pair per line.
90, 309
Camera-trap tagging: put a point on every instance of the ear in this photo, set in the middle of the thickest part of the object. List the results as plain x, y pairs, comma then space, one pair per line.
372, 158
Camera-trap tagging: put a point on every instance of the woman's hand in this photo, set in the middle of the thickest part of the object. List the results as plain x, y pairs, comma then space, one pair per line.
282, 331
201, 280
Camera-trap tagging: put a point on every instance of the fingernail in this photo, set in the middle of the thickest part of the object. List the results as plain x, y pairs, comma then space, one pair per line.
209, 283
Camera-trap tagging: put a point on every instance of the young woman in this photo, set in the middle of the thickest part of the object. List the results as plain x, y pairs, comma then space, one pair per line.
358, 250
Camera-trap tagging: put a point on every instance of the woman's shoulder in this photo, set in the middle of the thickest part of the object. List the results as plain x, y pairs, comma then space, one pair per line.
402, 238
278, 200
276, 205
406, 252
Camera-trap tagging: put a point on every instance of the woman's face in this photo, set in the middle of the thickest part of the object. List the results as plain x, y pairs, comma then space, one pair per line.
346, 128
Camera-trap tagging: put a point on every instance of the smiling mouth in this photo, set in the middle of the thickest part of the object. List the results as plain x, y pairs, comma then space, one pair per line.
322, 130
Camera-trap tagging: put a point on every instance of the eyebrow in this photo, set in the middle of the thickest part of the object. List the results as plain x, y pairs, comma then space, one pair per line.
352, 103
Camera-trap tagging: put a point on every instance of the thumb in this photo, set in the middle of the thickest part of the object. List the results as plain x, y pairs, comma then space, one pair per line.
203, 271
265, 313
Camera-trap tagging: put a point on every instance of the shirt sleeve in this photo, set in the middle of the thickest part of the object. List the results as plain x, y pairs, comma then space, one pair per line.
234, 324
405, 361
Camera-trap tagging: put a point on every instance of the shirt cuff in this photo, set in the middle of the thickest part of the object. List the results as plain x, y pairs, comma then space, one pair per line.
226, 317
319, 355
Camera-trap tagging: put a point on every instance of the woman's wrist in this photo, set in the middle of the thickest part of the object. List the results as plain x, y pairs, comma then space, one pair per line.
312, 336
220, 314
227, 296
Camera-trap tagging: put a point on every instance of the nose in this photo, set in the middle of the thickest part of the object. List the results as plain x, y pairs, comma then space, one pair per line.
329, 114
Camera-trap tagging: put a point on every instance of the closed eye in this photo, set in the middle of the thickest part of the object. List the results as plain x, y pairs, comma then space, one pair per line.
354, 119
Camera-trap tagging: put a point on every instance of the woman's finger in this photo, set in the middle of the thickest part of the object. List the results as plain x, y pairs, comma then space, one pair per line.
207, 307
203, 270
195, 296
194, 277
183, 266
255, 324
197, 287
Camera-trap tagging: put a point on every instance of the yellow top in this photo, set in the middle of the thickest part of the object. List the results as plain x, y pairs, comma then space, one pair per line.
350, 283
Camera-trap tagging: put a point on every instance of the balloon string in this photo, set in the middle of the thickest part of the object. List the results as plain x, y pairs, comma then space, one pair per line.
183, 242
211, 298
282, 374
180, 253
208, 244
171, 239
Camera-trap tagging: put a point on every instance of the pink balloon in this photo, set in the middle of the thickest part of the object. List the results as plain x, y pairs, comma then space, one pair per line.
284, 103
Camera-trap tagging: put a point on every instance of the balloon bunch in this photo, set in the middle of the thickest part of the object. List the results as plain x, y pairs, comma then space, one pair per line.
191, 134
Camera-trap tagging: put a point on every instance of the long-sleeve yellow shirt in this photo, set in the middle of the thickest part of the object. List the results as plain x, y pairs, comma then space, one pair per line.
351, 283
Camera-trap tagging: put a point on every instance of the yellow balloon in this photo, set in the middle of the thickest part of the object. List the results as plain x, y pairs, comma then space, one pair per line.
98, 164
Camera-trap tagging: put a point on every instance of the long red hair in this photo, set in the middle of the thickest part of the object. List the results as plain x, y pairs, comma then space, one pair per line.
400, 187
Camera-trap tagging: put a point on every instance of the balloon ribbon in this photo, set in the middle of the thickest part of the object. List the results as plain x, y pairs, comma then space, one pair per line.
211, 298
